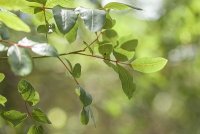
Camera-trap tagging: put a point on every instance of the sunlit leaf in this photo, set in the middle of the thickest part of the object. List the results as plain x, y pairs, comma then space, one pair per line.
19, 60
149, 65
34, 129
94, 19
3, 100
28, 93
84, 96
119, 5
11, 20
127, 81
40, 116
14, 117
85, 115
65, 19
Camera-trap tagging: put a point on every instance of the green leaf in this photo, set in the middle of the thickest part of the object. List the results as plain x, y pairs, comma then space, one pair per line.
14, 117
38, 1
85, 115
4, 33
125, 55
19, 60
40, 116
130, 45
12, 21
105, 49
110, 35
44, 50
119, 56
3, 48
64, 18
149, 65
85, 97
2, 76
34, 129
28, 93
119, 6
94, 19
72, 34
76, 72
37, 10
109, 23
3, 100
127, 81
46, 28
70, 64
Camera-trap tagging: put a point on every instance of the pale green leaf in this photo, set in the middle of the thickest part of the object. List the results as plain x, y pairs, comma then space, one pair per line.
149, 65
34, 129
2, 76
119, 5
85, 115
3, 100
11, 20
40, 116
14, 117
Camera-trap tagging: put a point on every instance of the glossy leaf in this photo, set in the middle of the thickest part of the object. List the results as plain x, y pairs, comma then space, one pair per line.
3, 100
2, 76
44, 50
76, 72
94, 19
84, 96
149, 65
127, 81
28, 93
19, 60
14, 117
85, 115
119, 6
40, 116
130, 45
12, 21
65, 19
34, 129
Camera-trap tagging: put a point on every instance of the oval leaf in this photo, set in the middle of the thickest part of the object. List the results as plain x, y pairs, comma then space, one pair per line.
12, 21
19, 60
40, 116
14, 117
130, 45
94, 19
3, 100
36, 130
64, 18
149, 65
85, 115
77, 71
85, 97
105, 49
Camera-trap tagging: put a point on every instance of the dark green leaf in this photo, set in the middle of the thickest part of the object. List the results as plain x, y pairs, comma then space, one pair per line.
65, 19
2, 76
149, 65
77, 71
127, 81
46, 28
38, 1
109, 23
110, 35
3, 100
37, 10
4, 33
28, 93
40, 116
36, 130
14, 117
85, 97
105, 49
19, 60
119, 6
44, 50
119, 56
130, 45
94, 19
85, 115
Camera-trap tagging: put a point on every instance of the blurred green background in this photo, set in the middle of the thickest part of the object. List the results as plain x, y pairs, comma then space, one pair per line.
167, 102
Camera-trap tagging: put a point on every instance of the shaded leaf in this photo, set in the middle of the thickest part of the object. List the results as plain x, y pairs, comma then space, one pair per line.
70, 64
38, 1
109, 22
12, 21
2, 76
46, 28
105, 49
130, 45
3, 100
37, 10
72, 34
34, 129
65, 19
149, 65
14, 117
40, 116
19, 60
94, 19
85, 97
127, 81
4, 33
76, 72
85, 115
119, 56
110, 35
28, 93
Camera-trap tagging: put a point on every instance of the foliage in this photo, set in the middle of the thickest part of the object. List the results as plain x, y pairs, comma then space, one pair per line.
68, 21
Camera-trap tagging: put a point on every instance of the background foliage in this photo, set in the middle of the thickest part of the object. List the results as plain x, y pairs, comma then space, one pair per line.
164, 102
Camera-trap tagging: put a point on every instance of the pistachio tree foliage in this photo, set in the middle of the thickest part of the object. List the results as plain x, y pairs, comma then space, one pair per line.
119, 55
